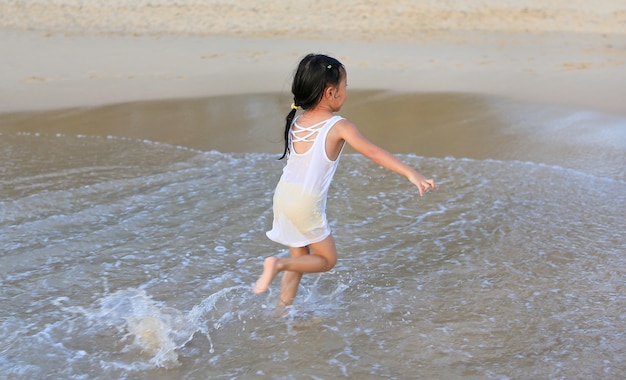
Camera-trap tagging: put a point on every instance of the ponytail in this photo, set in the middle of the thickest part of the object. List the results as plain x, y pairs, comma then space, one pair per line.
289, 120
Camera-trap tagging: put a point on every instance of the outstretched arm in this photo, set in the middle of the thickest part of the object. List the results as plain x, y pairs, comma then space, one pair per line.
349, 133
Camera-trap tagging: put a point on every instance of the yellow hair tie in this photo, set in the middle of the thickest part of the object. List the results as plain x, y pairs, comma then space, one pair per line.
294, 106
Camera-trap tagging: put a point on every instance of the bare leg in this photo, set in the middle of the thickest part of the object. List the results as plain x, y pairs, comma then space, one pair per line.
270, 270
291, 280
322, 259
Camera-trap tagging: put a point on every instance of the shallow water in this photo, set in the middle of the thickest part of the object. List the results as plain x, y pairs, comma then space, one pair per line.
124, 258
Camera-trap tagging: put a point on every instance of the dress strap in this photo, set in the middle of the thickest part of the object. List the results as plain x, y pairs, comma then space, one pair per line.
310, 131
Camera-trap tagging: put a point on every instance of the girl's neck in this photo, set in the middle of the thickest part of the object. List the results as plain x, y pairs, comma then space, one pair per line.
316, 113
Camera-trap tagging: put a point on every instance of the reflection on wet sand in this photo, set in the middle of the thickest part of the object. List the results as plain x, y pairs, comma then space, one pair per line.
429, 125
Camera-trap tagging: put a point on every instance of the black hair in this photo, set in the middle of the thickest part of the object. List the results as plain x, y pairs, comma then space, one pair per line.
315, 72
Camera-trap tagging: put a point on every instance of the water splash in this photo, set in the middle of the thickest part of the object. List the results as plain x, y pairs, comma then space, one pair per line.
158, 331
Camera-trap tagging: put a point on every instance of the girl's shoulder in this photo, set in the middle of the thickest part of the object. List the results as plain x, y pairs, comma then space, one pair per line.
336, 119
342, 123
342, 128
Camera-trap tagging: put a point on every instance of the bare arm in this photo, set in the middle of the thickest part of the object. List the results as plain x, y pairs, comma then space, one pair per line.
349, 133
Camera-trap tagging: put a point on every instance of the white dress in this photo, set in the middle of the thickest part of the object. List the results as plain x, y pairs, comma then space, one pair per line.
300, 196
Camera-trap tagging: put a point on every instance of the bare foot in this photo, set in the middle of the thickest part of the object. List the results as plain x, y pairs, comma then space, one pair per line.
270, 269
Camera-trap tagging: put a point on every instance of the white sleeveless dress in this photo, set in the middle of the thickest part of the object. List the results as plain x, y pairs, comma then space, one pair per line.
300, 196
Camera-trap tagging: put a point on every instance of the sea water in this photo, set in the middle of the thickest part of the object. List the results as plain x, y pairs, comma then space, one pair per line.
129, 259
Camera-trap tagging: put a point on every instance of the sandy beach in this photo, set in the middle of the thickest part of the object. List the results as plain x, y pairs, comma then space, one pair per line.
66, 53
557, 58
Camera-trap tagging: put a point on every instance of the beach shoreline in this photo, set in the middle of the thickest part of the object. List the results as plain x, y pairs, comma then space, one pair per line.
550, 63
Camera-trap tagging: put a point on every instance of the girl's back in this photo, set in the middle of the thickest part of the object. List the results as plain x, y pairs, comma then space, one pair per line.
304, 132
309, 165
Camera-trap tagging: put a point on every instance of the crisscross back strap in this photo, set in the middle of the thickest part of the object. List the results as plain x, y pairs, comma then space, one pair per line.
310, 131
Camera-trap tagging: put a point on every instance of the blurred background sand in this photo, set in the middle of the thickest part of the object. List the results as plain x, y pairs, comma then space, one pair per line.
213, 74
69, 52
316, 19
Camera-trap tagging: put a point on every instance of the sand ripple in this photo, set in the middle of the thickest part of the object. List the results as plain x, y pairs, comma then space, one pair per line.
350, 19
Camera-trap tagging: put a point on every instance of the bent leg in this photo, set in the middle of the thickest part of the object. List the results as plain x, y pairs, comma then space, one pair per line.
326, 249
323, 258
291, 280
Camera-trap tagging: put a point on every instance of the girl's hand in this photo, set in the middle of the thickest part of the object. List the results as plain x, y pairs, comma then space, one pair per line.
423, 184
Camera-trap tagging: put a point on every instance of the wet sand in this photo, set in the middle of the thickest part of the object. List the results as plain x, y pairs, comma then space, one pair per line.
54, 70
430, 125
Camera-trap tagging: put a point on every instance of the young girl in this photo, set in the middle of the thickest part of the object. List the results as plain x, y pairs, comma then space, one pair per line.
313, 144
